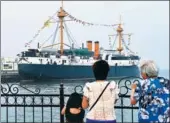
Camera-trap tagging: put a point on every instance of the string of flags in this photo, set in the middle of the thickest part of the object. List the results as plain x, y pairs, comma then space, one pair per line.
87, 23
47, 24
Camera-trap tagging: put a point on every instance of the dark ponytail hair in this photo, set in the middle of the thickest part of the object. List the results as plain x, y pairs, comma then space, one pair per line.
74, 100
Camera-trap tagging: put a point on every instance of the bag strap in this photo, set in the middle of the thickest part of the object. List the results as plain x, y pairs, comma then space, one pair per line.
99, 96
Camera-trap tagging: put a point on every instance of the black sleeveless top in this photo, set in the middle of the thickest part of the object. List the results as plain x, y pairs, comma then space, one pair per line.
74, 118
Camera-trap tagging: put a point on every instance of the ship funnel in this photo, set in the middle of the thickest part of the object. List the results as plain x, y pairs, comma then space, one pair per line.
89, 45
96, 49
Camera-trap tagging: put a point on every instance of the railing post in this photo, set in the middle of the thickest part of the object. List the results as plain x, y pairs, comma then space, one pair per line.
61, 102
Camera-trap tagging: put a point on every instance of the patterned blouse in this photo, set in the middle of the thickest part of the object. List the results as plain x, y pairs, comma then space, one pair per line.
153, 96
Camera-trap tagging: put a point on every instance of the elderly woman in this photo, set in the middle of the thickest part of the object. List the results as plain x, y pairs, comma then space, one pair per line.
152, 94
101, 108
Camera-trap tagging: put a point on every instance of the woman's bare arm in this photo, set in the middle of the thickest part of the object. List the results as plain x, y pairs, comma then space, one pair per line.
132, 99
85, 103
63, 110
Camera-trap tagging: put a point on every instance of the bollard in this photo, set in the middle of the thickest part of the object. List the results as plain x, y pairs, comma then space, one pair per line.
61, 102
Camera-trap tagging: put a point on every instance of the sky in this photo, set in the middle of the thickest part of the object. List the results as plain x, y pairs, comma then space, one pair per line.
147, 20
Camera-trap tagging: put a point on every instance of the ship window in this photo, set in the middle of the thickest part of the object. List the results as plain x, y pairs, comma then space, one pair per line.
120, 58
7, 66
64, 61
29, 54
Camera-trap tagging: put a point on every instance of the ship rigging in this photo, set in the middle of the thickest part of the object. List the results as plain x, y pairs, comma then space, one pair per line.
62, 14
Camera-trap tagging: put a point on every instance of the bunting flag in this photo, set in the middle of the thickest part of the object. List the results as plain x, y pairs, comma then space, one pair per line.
46, 24
87, 23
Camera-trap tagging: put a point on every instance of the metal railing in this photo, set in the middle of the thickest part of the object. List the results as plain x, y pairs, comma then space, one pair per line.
11, 97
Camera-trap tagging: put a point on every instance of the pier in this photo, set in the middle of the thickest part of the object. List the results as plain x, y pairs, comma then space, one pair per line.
10, 76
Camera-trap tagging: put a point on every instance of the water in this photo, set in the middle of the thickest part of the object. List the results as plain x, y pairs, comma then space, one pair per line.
165, 73
53, 88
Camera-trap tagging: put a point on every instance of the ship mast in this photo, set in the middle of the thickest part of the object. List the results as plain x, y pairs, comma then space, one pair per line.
61, 14
120, 36
119, 31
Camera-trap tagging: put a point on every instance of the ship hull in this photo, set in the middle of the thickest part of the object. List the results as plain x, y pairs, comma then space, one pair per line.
40, 71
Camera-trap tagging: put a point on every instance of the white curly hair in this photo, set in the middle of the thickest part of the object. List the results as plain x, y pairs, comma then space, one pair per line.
150, 68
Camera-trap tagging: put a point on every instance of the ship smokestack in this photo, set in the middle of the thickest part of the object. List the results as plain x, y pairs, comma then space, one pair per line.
96, 49
89, 45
